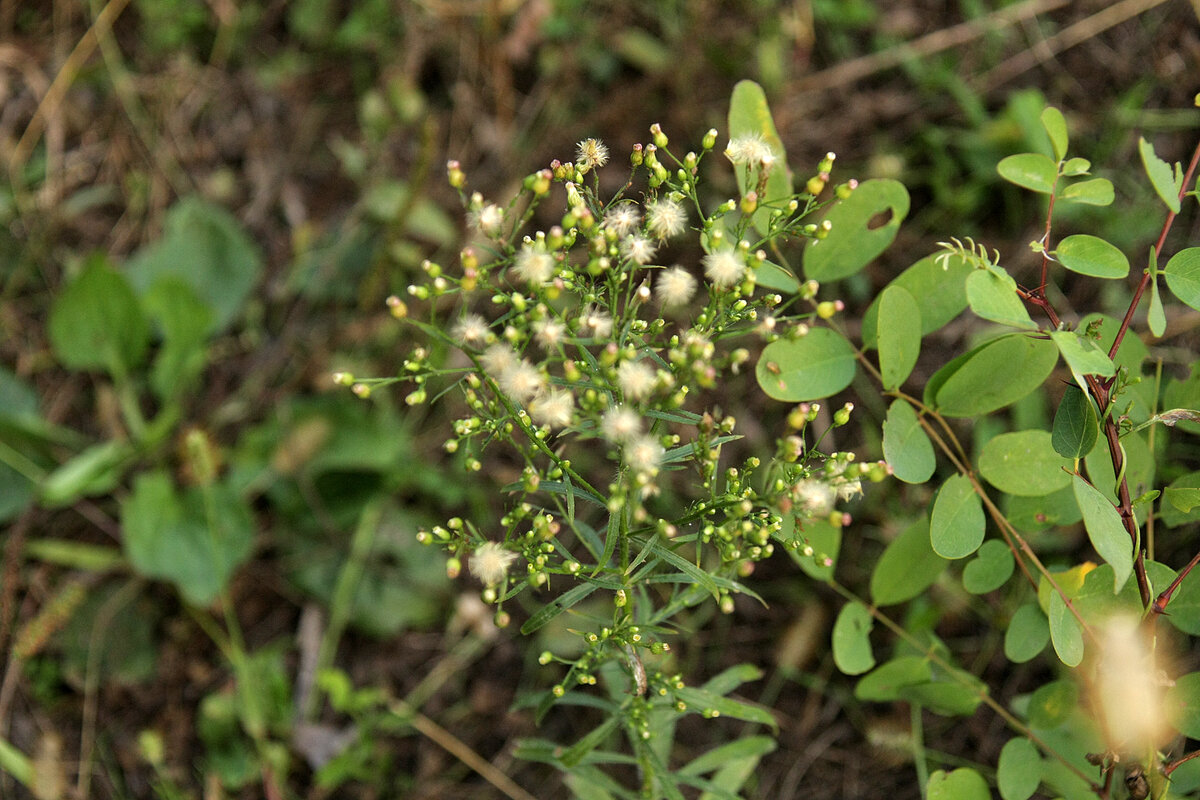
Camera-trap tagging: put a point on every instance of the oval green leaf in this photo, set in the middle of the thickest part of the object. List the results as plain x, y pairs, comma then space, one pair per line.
854, 241
1184, 701
899, 335
1094, 192
1104, 529
1027, 634
990, 569
1053, 704
1074, 167
962, 784
851, 639
749, 115
907, 567
1023, 463
1056, 129
97, 321
991, 376
883, 684
769, 275
1020, 769
811, 368
994, 298
1075, 426
1183, 276
906, 447
1065, 633
1032, 171
1161, 177
956, 526
937, 283
1091, 255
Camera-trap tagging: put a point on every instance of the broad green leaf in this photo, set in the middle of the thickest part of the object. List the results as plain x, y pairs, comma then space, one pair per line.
1023, 463
993, 375
956, 526
1056, 129
1161, 177
899, 335
1183, 276
1065, 633
93, 472
1094, 192
993, 298
1027, 634
1033, 514
1053, 704
1183, 700
1070, 581
939, 286
749, 115
1091, 255
810, 368
97, 322
1032, 171
907, 567
852, 639
1020, 769
963, 783
856, 239
1183, 499
1075, 426
205, 247
883, 684
1083, 356
1183, 612
1175, 508
185, 321
906, 447
954, 694
1097, 603
990, 569
1139, 466
824, 538
772, 276
193, 541
1156, 318
1104, 528
1074, 167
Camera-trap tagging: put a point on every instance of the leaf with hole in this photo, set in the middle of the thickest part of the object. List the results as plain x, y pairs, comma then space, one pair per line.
855, 238
813, 367
993, 297
1183, 276
1023, 463
1105, 530
1092, 256
990, 569
1161, 177
852, 639
907, 567
899, 335
1075, 427
956, 526
906, 447
1032, 171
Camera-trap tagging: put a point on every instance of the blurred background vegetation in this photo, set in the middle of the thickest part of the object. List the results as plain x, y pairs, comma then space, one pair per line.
263, 174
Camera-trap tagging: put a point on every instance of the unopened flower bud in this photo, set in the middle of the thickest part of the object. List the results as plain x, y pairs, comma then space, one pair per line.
455, 175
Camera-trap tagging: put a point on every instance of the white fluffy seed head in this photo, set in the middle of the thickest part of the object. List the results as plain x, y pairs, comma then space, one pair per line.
534, 265
620, 424
724, 267
636, 379
675, 287
490, 562
555, 408
665, 218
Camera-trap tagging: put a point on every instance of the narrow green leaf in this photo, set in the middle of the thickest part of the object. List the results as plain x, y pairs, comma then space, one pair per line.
702, 700
1056, 129
811, 368
1183, 700
1065, 633
1156, 318
993, 375
963, 783
1161, 177
749, 115
590, 741
1020, 769
1032, 171
939, 286
1075, 426
907, 567
906, 447
1094, 192
744, 747
93, 472
993, 298
1027, 634
1104, 529
1183, 276
899, 335
1091, 255
76, 555
956, 527
851, 639
1023, 463
854, 241
557, 606
990, 569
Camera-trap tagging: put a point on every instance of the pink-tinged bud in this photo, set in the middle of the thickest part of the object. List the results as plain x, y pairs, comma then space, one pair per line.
637, 156
749, 202
455, 175
814, 186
